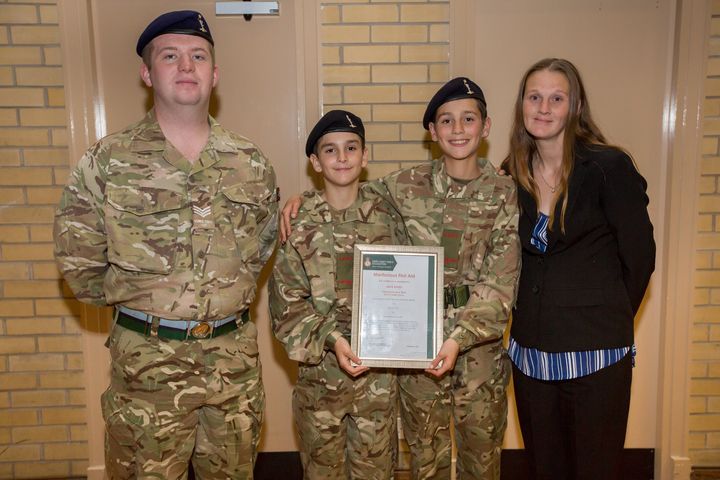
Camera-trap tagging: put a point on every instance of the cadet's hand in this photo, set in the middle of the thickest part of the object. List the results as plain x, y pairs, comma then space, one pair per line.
289, 211
445, 360
501, 170
345, 356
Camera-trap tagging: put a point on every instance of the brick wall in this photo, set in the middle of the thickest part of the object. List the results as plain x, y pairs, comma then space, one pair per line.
383, 61
42, 402
705, 350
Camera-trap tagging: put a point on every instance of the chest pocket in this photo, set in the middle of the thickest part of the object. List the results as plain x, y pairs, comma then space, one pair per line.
466, 233
480, 221
142, 228
376, 232
245, 207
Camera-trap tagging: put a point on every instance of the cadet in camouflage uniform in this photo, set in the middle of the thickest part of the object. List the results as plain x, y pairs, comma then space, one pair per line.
460, 203
344, 413
170, 222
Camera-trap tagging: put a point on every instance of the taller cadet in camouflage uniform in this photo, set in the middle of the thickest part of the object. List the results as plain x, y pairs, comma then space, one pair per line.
170, 221
345, 414
460, 203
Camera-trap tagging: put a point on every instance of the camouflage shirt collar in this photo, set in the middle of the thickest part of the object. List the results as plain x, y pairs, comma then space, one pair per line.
148, 136
443, 183
315, 208
220, 139
319, 211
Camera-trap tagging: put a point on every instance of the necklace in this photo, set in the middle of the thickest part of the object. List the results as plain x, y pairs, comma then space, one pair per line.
552, 189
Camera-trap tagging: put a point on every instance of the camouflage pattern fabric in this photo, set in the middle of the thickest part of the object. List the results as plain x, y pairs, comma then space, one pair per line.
476, 223
347, 426
139, 225
475, 394
171, 401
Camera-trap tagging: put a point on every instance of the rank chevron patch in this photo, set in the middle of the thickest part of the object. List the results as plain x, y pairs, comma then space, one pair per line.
201, 212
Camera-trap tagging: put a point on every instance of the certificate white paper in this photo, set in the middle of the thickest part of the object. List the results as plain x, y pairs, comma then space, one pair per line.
397, 305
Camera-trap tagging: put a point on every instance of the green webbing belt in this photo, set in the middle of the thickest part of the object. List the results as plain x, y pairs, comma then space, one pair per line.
457, 296
141, 326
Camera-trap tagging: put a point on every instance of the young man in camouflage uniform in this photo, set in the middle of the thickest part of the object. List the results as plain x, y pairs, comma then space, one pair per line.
460, 203
170, 222
344, 413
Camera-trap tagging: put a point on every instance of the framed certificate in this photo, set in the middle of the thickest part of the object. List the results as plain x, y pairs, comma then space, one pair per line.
397, 317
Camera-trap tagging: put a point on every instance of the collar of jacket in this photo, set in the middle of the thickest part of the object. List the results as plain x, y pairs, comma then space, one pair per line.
147, 136
582, 156
444, 186
319, 211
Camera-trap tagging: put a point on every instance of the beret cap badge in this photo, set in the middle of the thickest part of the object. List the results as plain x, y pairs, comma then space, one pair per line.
334, 121
184, 22
456, 89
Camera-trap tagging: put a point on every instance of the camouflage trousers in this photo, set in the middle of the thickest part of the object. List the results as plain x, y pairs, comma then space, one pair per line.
171, 402
347, 426
474, 397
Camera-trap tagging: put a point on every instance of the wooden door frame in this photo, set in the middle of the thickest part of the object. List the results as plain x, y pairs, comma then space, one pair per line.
683, 132
86, 124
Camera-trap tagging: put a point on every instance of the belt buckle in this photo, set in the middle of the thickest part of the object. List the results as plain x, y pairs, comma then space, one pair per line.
450, 296
201, 330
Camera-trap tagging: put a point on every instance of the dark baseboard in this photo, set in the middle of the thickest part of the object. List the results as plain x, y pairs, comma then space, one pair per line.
273, 466
278, 465
638, 464
705, 473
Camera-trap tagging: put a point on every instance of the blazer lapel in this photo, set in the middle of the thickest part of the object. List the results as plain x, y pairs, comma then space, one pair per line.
577, 177
528, 209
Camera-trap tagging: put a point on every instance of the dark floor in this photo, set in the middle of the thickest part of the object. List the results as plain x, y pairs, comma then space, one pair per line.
705, 473
637, 465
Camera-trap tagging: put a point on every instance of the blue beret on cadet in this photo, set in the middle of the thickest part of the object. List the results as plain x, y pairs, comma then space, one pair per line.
186, 22
455, 89
334, 121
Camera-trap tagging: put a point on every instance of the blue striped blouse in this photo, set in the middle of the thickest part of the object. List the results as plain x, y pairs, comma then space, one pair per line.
562, 365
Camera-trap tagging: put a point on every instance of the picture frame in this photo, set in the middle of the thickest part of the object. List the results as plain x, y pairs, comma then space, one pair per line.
397, 315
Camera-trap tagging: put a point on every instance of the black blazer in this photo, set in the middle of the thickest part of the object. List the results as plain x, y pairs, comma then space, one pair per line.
583, 293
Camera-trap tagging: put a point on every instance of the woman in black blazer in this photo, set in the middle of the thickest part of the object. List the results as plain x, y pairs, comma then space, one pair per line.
588, 253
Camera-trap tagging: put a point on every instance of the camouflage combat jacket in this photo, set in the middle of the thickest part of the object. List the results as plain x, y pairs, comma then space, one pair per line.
477, 224
139, 225
311, 286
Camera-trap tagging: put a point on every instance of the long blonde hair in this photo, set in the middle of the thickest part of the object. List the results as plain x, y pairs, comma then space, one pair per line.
579, 127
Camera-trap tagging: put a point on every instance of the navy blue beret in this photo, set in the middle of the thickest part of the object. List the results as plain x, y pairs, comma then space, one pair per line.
186, 22
334, 121
455, 89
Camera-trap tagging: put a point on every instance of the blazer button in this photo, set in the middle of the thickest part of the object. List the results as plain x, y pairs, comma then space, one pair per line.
540, 261
536, 289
